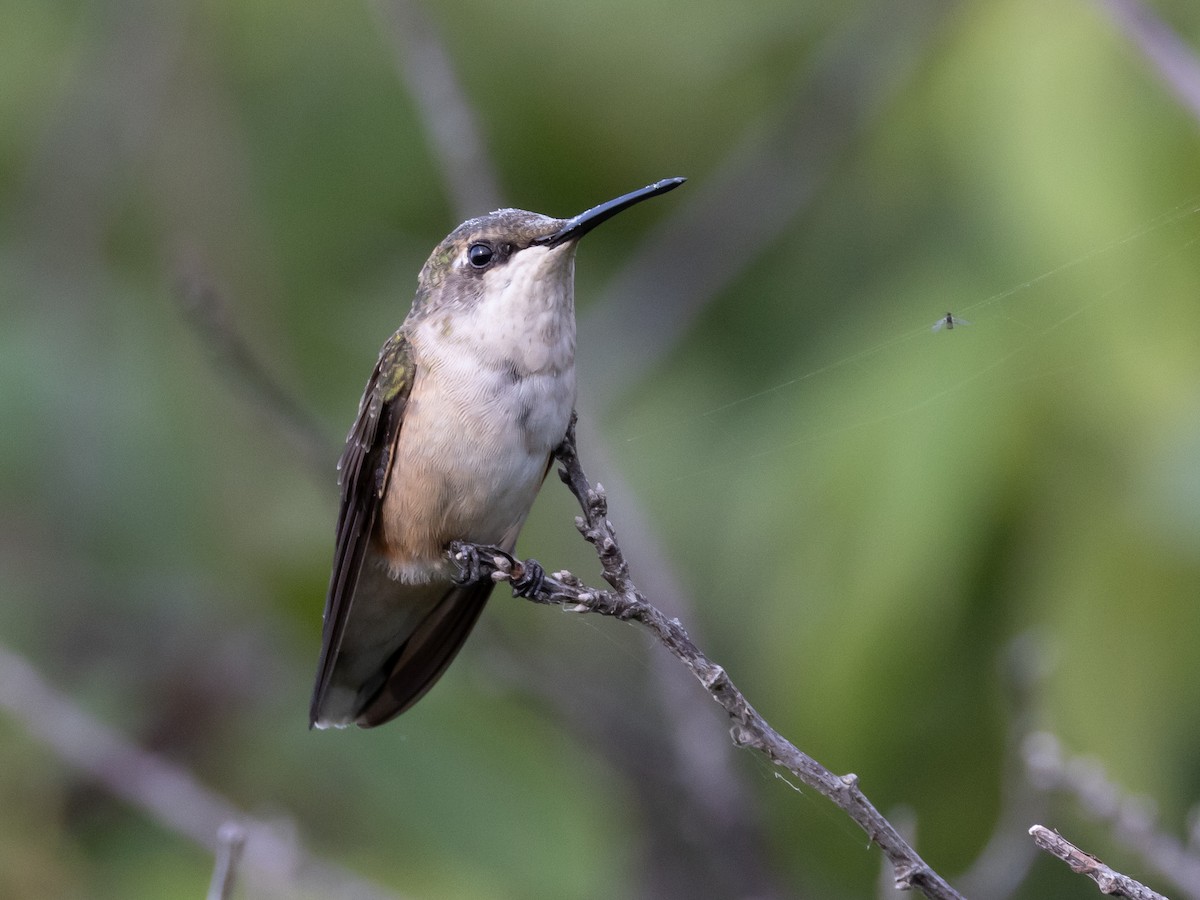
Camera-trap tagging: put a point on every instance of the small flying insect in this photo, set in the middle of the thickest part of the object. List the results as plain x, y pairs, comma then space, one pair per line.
948, 321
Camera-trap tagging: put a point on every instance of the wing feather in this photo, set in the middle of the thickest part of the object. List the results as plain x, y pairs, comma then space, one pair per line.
364, 469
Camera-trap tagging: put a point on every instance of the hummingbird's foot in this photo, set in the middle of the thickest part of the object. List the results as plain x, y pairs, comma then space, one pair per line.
527, 578
469, 562
475, 562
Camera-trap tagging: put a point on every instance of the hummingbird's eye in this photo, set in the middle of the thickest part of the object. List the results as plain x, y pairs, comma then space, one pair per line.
479, 255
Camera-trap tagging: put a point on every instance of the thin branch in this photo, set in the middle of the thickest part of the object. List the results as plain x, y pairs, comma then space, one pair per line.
707, 784
768, 178
451, 126
1176, 63
1132, 818
626, 603
1107, 879
905, 820
166, 793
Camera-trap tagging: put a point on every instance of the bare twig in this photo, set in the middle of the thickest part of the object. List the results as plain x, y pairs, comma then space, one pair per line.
451, 127
710, 781
1109, 881
231, 841
1132, 818
626, 603
768, 178
1176, 62
905, 820
765, 182
168, 794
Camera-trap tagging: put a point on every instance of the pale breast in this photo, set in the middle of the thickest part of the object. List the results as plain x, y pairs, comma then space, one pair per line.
471, 454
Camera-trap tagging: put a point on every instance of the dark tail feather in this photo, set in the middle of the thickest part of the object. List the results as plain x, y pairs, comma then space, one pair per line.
420, 661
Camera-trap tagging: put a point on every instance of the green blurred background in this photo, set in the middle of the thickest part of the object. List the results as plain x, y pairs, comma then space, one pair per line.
855, 516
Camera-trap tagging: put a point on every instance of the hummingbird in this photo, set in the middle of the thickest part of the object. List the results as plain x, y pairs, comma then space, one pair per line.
454, 436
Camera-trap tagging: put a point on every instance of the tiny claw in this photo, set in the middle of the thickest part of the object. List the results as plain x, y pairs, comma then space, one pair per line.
530, 580
466, 558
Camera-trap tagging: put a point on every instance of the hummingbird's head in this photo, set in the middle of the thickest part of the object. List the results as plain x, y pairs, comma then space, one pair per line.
514, 254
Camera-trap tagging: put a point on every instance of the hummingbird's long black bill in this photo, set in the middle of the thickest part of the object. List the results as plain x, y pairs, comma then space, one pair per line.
581, 224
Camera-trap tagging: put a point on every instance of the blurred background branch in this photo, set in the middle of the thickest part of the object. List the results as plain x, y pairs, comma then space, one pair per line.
208, 311
455, 136
1175, 62
231, 842
1004, 863
273, 859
